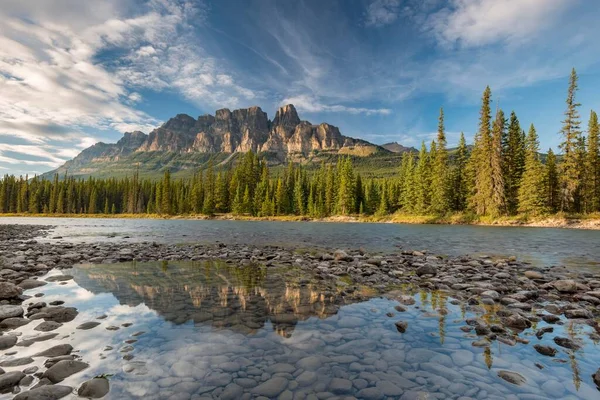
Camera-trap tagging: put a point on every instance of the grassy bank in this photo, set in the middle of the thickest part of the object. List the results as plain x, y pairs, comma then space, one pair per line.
560, 220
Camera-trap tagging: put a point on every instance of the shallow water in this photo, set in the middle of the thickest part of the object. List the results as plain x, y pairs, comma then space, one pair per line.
541, 246
211, 330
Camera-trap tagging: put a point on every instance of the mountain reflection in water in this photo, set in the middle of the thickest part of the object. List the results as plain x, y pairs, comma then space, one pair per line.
240, 298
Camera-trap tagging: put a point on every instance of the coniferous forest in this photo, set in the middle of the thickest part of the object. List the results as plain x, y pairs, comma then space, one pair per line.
501, 174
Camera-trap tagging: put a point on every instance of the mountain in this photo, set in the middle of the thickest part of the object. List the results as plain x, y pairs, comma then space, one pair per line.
396, 147
186, 143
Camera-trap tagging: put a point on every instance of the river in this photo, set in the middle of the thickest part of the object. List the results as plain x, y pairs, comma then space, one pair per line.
541, 246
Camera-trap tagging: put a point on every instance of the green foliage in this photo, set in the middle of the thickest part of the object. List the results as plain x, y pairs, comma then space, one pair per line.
532, 190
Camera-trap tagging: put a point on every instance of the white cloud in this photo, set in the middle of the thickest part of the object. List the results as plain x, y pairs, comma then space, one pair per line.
382, 12
311, 104
481, 22
65, 70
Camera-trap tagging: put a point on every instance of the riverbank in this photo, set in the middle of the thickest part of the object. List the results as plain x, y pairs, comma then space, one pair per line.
522, 299
587, 222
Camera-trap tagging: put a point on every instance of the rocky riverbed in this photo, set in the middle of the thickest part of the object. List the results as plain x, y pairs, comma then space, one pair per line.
514, 297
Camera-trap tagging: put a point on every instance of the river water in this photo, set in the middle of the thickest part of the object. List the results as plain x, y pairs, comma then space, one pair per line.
540, 246
209, 330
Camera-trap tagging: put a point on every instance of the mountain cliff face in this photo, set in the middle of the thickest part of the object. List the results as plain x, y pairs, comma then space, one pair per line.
227, 131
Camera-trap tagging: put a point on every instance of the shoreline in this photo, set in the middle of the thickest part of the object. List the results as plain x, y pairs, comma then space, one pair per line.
591, 222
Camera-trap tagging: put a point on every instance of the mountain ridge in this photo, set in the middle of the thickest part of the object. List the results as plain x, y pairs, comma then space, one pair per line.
286, 137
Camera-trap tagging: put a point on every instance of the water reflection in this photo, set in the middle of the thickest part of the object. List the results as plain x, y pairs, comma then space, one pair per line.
240, 298
214, 330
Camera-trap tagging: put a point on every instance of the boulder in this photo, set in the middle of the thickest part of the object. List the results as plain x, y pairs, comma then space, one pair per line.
426, 269
94, 388
64, 369
8, 380
10, 311
46, 392
565, 286
9, 291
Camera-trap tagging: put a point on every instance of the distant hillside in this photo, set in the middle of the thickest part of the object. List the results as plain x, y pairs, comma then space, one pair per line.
396, 147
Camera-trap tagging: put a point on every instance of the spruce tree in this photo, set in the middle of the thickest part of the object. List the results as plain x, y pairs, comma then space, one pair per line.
569, 166
346, 189
532, 190
409, 185
513, 162
498, 201
593, 163
480, 162
552, 183
460, 179
422, 181
440, 189
165, 205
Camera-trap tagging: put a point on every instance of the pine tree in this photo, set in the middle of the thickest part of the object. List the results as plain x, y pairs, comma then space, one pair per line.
383, 208
532, 190
569, 167
346, 190
422, 182
409, 185
593, 164
299, 198
479, 163
165, 205
460, 179
513, 162
93, 202
498, 201
552, 183
440, 190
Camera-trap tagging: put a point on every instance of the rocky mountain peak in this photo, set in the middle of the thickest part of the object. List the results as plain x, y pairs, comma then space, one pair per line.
286, 116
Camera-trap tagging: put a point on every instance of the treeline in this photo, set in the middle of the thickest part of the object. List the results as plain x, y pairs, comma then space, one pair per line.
501, 174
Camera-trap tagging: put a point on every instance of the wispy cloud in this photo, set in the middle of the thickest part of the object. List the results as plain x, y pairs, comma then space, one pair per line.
480, 22
382, 12
310, 104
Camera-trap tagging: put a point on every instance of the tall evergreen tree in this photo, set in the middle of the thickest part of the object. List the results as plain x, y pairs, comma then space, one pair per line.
479, 163
460, 179
532, 190
498, 201
422, 181
513, 162
569, 166
440, 189
552, 182
593, 164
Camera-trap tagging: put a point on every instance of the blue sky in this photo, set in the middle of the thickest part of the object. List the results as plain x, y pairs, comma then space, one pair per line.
73, 73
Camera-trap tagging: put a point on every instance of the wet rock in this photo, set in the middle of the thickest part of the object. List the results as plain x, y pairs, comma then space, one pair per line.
232, 392
88, 325
7, 341
94, 388
28, 341
518, 322
340, 386
533, 275
426, 269
47, 326
596, 378
341, 255
566, 343
371, 393
545, 350
28, 380
10, 311
51, 361
30, 370
565, 286
401, 326
9, 380
578, 313
56, 351
46, 392
57, 303
16, 362
59, 313
13, 323
512, 377
306, 378
31, 284
64, 369
272, 387
59, 278
551, 319
540, 332
9, 291
112, 328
